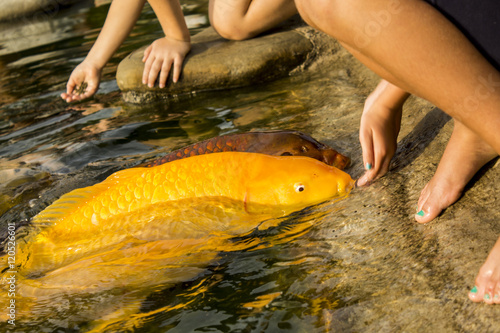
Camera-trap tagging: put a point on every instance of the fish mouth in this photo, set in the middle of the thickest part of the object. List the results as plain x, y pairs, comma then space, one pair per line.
352, 184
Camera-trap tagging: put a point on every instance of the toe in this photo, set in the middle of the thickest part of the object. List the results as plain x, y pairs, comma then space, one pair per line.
488, 296
476, 294
496, 294
487, 283
426, 208
490, 290
436, 196
427, 213
364, 180
429, 207
482, 291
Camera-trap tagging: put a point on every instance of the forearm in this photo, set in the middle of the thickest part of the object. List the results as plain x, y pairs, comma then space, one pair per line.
171, 19
122, 16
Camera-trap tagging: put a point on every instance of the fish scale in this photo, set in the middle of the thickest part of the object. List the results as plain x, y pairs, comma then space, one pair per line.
127, 190
93, 218
278, 143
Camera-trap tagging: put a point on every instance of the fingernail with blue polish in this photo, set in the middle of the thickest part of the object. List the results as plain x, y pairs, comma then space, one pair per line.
368, 166
421, 213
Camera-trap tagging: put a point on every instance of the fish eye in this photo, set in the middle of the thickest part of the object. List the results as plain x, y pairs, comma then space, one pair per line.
299, 187
304, 149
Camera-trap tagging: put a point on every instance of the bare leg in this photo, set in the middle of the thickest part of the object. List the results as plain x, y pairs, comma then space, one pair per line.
465, 154
419, 51
413, 46
243, 19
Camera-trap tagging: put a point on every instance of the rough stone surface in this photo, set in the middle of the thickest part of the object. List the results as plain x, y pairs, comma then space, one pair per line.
15, 9
392, 274
400, 275
215, 63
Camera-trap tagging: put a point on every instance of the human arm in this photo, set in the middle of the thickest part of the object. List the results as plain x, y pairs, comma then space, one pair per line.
379, 129
167, 54
85, 78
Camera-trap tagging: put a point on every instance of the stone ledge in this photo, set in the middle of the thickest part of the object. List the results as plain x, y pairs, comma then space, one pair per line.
31, 9
215, 63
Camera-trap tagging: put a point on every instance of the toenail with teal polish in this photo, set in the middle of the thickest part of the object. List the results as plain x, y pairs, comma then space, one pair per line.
368, 166
496, 297
486, 296
421, 213
474, 290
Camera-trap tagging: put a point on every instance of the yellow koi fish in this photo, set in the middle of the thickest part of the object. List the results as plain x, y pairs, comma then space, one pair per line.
145, 228
260, 183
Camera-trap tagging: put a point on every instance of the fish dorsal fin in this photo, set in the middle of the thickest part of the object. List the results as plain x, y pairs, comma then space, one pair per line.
70, 202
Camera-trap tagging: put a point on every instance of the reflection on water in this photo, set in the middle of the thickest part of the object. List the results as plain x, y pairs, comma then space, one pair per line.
145, 279
38, 52
277, 277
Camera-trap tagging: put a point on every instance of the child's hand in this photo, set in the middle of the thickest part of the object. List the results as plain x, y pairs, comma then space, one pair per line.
83, 82
161, 57
378, 133
379, 129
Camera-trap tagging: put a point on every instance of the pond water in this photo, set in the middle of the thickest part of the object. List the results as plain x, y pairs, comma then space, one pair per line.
327, 268
48, 148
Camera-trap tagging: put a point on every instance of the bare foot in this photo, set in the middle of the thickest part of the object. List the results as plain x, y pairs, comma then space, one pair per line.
487, 287
465, 154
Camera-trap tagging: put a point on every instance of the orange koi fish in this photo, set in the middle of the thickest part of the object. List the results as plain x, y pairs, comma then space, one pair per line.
260, 183
145, 228
277, 143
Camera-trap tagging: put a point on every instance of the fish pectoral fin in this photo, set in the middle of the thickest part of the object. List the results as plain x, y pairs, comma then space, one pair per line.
76, 199
65, 205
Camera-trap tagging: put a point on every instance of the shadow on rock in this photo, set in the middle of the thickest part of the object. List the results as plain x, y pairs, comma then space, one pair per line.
412, 145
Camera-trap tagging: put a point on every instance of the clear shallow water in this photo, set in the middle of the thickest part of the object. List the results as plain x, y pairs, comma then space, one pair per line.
313, 271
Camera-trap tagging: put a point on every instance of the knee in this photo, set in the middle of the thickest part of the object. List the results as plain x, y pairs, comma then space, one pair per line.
306, 9
231, 30
334, 17
312, 12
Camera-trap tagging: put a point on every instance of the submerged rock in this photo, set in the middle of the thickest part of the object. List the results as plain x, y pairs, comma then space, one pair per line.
216, 63
15, 9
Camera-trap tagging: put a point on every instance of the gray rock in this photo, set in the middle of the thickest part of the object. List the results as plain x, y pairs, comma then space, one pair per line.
215, 63
393, 273
31, 9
